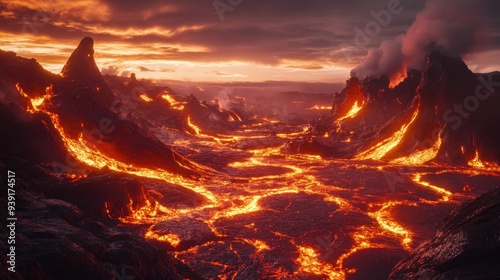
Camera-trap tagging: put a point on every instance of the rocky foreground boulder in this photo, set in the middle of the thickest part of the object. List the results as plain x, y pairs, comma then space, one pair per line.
466, 247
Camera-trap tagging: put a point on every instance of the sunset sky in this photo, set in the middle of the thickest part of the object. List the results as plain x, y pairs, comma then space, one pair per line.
251, 41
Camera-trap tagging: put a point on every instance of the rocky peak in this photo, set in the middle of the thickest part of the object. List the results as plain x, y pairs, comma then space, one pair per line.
81, 66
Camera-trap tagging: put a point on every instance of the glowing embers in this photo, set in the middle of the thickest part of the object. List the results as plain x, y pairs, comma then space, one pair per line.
445, 195
174, 104
422, 156
387, 223
382, 148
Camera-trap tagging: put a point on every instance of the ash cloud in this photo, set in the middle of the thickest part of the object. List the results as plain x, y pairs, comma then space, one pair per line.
453, 27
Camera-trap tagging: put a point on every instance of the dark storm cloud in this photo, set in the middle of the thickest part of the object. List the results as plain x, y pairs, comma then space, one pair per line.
266, 32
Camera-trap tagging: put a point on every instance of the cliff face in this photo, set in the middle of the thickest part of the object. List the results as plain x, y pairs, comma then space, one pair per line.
466, 247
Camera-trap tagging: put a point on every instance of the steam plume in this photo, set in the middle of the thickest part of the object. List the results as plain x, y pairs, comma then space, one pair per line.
450, 26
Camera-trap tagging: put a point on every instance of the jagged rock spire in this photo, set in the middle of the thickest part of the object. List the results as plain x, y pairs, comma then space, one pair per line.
81, 66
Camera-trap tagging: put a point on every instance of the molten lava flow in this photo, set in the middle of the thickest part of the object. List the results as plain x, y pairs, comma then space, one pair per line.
258, 244
384, 219
477, 163
382, 148
319, 107
36, 102
197, 130
420, 157
308, 263
174, 104
234, 117
317, 194
171, 238
445, 195
86, 153
352, 112
304, 130
146, 98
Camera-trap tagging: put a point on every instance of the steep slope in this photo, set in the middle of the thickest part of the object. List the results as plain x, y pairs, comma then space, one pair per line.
80, 106
466, 247
445, 113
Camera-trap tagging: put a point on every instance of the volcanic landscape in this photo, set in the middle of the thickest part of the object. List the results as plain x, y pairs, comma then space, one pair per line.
237, 192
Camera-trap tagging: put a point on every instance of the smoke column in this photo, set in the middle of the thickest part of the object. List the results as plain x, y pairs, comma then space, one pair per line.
450, 26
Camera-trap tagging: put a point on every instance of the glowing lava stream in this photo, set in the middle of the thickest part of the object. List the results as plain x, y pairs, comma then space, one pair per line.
92, 157
352, 112
229, 199
383, 218
445, 195
382, 148
420, 157
478, 164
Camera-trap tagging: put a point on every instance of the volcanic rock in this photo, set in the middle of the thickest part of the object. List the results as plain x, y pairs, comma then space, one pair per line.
466, 247
453, 103
81, 66
57, 240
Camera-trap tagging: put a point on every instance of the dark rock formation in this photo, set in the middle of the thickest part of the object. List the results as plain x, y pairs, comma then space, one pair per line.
57, 240
68, 229
466, 247
83, 103
452, 102
81, 66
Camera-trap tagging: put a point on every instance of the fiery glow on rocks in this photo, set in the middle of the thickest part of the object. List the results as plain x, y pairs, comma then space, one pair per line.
36, 103
398, 78
477, 163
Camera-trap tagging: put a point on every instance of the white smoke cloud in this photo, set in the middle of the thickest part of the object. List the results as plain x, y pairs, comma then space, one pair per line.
450, 26
223, 98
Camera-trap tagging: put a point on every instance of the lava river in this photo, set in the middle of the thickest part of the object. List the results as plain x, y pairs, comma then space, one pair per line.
270, 215
263, 213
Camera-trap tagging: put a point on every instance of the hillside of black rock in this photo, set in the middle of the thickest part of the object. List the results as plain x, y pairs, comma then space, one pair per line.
453, 105
466, 247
